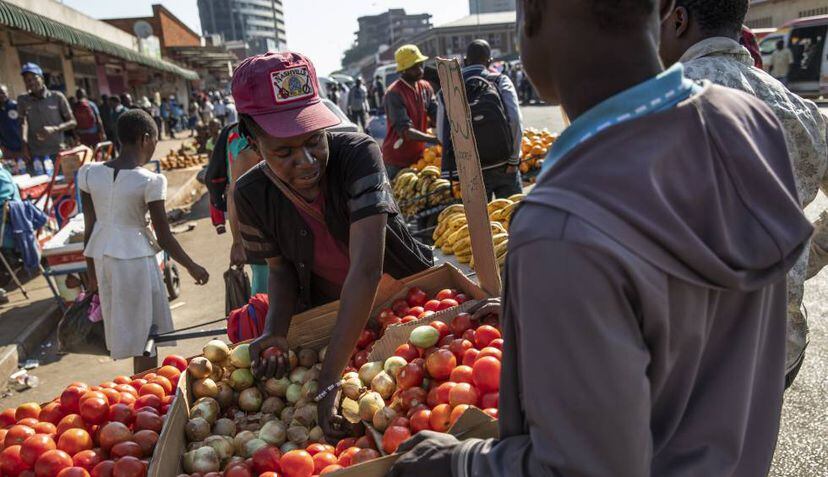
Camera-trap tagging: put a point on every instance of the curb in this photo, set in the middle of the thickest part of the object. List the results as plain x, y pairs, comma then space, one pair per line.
27, 342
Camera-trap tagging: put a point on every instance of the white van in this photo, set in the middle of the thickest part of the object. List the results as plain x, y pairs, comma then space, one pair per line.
806, 38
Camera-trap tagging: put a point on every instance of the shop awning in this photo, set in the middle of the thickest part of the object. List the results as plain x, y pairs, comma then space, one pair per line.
22, 19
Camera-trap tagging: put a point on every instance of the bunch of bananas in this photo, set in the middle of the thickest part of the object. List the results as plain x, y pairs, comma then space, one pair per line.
432, 156
417, 191
500, 210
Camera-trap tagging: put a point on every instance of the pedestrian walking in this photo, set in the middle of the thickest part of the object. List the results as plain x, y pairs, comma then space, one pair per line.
409, 102
642, 334
46, 115
379, 92
232, 114
693, 35
206, 111
358, 104
90, 129
166, 117
116, 110
121, 248
11, 134
781, 60
193, 111
220, 110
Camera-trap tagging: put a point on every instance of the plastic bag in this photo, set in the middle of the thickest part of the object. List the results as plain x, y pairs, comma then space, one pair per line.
236, 289
247, 322
77, 333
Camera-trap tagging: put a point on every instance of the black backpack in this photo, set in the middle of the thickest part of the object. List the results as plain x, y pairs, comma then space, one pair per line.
492, 131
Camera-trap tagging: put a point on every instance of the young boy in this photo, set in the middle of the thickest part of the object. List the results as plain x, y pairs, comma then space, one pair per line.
644, 313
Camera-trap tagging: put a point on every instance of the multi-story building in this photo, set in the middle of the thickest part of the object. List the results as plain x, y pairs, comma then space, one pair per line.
774, 13
451, 39
390, 27
491, 6
260, 24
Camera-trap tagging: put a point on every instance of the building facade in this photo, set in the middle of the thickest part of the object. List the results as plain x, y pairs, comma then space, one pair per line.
390, 27
260, 24
451, 39
491, 6
775, 13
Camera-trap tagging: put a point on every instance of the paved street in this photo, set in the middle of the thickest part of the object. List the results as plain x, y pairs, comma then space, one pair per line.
802, 449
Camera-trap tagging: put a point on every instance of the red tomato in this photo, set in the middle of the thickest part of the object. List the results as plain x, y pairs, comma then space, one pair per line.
497, 343
484, 335
457, 412
166, 384
486, 373
365, 455
126, 388
399, 421
152, 389
360, 358
296, 463
460, 324
123, 449
413, 397
440, 363
463, 393
72, 421
73, 472
408, 319
366, 337
148, 400
17, 434
70, 398
416, 297
148, 420
432, 398
113, 433
51, 462
489, 400
416, 311
28, 422
103, 469
148, 409
11, 462
393, 437
92, 394
447, 303
316, 448
407, 351
34, 447
7, 418
121, 413
409, 376
266, 459
112, 395
491, 412
400, 307
121, 380
170, 372
129, 467
94, 410
30, 409
138, 382
236, 471
432, 305
346, 456
462, 374
468, 335
322, 460
461, 298
51, 412
74, 440
365, 442
175, 360
128, 399
470, 356
328, 470
446, 293
344, 444
489, 351
87, 459
440, 327
425, 314
420, 421
45, 428
146, 440
267, 474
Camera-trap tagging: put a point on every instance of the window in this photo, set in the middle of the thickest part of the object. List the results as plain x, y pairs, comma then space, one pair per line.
813, 12
768, 45
764, 22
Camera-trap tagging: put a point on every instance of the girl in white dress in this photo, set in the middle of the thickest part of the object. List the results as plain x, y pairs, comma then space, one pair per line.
120, 246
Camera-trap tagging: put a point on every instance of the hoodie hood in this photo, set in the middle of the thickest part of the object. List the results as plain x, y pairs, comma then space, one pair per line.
703, 191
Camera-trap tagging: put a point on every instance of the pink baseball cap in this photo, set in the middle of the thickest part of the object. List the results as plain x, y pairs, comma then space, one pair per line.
280, 91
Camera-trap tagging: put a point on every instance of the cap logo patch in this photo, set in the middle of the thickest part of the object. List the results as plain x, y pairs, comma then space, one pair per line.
290, 85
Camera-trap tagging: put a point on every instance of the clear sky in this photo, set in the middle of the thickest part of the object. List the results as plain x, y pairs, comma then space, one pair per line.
321, 29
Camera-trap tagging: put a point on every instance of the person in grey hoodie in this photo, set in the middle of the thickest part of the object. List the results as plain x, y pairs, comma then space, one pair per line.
644, 298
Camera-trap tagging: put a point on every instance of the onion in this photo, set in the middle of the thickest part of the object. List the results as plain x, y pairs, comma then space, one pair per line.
287, 447
287, 414
224, 395
382, 418
393, 364
197, 429
383, 384
205, 407
369, 404
312, 375
298, 435
250, 400
201, 460
241, 379
368, 371
205, 388
224, 427
316, 435
294, 393
272, 405
310, 389
352, 386
322, 353
350, 410
216, 351
240, 356
252, 446
200, 367
292, 359
240, 441
195, 445
223, 446
305, 415
277, 387
307, 357
298, 375
274, 433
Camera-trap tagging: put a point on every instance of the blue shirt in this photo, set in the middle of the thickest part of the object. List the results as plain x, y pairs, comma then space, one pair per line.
10, 127
656, 94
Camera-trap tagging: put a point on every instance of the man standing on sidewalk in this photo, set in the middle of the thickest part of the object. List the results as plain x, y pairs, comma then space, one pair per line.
498, 134
781, 61
358, 104
409, 102
11, 141
46, 115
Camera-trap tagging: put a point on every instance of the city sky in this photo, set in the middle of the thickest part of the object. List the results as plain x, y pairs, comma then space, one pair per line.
321, 29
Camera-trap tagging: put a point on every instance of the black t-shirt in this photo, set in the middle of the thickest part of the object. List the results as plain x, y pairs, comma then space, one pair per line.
355, 186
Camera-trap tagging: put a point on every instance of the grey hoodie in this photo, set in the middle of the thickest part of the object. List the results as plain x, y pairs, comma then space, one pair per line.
644, 311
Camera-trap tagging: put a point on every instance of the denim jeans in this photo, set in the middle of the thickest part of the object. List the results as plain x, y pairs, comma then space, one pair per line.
501, 184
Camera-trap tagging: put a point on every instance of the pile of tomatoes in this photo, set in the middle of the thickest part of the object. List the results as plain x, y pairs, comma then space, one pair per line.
98, 431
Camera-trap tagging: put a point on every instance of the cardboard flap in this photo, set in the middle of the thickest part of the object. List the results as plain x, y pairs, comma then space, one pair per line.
471, 174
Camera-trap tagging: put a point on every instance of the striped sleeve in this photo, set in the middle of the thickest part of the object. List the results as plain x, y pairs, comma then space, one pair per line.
259, 242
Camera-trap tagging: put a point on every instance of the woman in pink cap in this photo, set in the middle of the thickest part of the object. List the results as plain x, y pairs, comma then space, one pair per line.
319, 210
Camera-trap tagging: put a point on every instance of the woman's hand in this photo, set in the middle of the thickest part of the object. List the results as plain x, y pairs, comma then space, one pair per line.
275, 364
333, 425
199, 274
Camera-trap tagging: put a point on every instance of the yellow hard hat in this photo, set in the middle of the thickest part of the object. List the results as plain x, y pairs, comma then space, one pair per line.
408, 56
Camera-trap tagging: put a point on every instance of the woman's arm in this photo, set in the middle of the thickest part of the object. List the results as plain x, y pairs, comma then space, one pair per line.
245, 161
89, 220
158, 215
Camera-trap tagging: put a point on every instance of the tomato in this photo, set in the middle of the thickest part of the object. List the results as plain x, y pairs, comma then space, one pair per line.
457, 412
329, 469
432, 305
393, 437
3, 433
322, 460
81, 385
45, 428
70, 398
30, 409
346, 457
73, 472
7, 418
113, 433
126, 388
461, 298
91, 394
129, 467
296, 463
440, 363
386, 317
416, 297
408, 319
72, 421
123, 449
148, 400
360, 358
441, 327
420, 421
469, 357
409, 376
148, 409
446, 293
148, 420
112, 395
497, 343
146, 440
399, 421
460, 324
87, 459
103, 469
170, 372
11, 462
266, 459
486, 373
51, 462
463, 393
121, 380
175, 360
34, 447
425, 314
489, 351
152, 389
121, 413
400, 307
365, 455
407, 351
416, 311
28, 422
462, 374
447, 303
431, 397
489, 400
236, 471
316, 448
17, 434
344, 444
74, 440
137, 383
166, 384
94, 410
366, 337
413, 397
484, 335
127, 398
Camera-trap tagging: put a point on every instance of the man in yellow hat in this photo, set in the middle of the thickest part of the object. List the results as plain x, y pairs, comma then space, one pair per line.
409, 102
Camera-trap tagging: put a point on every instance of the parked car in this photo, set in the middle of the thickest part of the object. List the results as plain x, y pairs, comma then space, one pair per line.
806, 39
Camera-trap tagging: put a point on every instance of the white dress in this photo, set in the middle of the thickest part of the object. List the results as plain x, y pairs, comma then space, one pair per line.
132, 292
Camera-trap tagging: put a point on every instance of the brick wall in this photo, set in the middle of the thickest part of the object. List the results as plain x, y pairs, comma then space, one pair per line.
172, 31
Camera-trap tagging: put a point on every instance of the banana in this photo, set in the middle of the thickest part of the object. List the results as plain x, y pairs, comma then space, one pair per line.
506, 212
447, 248
463, 245
501, 248
500, 238
430, 171
517, 197
452, 209
464, 258
497, 204
497, 228
458, 234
